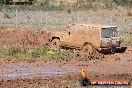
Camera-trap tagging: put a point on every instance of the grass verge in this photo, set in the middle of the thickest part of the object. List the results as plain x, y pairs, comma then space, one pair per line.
36, 53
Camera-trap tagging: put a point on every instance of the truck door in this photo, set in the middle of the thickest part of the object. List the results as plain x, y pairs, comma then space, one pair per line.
69, 38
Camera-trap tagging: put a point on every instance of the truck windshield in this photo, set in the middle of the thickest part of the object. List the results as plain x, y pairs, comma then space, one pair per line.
109, 32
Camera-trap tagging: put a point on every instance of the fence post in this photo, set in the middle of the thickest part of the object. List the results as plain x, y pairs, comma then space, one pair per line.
46, 19
78, 18
111, 20
26, 22
16, 18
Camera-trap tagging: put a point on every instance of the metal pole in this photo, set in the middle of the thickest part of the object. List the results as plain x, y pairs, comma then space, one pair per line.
78, 18
46, 19
25, 20
111, 20
16, 18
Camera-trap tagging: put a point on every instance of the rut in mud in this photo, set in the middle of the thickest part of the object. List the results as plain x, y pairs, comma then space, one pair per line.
87, 56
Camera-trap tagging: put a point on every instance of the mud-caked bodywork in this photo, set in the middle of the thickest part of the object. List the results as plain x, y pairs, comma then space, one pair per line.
100, 37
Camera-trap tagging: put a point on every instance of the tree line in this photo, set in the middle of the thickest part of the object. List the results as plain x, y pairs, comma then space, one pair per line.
79, 5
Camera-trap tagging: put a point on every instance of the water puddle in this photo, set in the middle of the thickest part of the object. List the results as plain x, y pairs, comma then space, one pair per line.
29, 70
9, 75
32, 70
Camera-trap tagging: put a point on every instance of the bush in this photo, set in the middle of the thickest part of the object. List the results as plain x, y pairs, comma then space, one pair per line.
123, 2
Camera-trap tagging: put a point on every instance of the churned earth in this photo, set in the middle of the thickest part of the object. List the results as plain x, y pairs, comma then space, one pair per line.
63, 73
58, 73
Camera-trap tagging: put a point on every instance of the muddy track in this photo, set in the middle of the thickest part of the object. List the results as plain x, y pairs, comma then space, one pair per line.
64, 73
67, 81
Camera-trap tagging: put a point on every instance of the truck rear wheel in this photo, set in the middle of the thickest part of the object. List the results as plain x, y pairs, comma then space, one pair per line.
90, 53
55, 44
88, 48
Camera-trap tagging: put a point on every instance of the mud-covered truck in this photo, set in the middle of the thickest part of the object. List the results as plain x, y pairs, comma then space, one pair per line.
87, 37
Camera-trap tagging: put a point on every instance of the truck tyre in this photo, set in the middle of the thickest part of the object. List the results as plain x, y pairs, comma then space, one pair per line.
88, 48
55, 44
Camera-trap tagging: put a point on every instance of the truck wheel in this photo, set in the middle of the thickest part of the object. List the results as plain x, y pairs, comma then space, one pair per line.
91, 53
88, 48
55, 44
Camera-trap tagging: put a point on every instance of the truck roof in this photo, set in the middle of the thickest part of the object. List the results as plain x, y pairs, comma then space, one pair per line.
92, 25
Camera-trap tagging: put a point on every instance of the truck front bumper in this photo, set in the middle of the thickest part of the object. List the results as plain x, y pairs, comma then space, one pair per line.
115, 50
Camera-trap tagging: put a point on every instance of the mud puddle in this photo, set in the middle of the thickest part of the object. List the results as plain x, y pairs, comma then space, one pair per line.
28, 70
31, 70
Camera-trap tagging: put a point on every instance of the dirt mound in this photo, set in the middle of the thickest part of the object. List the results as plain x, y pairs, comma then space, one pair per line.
22, 38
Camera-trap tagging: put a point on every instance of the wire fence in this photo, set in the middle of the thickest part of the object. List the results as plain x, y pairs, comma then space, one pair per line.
34, 20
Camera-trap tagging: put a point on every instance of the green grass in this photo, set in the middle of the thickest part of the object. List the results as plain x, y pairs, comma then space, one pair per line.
36, 53
45, 52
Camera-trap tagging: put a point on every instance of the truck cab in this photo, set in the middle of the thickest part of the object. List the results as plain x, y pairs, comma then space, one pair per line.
110, 39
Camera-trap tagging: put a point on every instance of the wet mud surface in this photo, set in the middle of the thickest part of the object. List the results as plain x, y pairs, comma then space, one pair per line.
64, 73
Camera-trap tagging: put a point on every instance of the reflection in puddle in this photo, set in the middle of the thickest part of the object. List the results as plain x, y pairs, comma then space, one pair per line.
29, 70
9, 75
